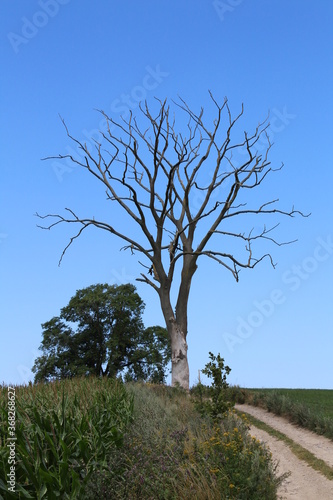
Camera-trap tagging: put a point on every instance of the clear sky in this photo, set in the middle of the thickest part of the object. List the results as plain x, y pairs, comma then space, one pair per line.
69, 57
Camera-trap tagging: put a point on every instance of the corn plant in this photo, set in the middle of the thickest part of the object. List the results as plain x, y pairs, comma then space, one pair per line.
61, 438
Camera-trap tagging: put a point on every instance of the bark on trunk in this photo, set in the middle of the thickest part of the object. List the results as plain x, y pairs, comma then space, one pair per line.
177, 331
176, 322
180, 367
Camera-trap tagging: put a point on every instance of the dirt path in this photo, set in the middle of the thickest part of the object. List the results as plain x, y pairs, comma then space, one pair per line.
304, 483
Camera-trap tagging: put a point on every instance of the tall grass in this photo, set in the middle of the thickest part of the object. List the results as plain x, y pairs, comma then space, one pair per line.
171, 452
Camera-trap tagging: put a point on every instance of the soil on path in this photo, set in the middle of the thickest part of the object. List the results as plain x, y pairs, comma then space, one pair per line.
304, 483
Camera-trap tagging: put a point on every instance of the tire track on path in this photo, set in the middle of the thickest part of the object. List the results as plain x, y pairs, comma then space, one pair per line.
304, 483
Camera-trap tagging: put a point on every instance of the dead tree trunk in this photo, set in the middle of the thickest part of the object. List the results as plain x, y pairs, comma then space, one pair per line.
176, 324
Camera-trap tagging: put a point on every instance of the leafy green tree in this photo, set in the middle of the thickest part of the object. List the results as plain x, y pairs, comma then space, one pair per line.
101, 332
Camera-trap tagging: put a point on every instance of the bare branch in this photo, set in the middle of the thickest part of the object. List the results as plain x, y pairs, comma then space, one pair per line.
91, 222
180, 187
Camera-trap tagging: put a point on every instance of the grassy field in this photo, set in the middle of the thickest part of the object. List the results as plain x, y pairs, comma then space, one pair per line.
319, 401
94, 438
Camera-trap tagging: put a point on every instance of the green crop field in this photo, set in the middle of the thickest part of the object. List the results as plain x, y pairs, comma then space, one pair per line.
318, 400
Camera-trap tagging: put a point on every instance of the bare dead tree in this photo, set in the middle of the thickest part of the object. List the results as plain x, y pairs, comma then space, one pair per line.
159, 178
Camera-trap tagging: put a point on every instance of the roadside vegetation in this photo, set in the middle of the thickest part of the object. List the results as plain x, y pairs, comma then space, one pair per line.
99, 437
308, 408
172, 452
92, 437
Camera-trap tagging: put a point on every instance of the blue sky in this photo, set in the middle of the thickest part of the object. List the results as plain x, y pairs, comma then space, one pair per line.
69, 57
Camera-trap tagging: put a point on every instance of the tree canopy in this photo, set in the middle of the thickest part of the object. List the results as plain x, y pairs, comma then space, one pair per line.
101, 332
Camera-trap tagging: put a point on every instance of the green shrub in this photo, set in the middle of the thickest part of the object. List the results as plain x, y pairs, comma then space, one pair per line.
274, 403
235, 394
217, 404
